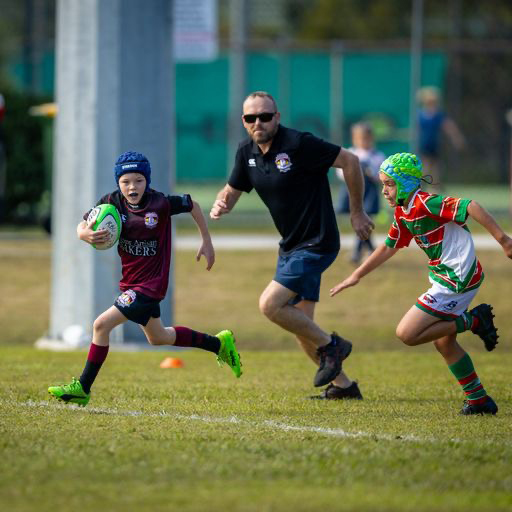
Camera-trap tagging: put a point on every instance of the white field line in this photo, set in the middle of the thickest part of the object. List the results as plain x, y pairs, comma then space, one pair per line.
268, 424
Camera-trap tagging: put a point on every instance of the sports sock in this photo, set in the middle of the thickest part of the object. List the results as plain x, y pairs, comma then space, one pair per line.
464, 371
95, 358
186, 337
464, 322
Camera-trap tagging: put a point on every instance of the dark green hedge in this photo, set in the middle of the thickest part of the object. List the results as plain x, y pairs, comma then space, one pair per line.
22, 136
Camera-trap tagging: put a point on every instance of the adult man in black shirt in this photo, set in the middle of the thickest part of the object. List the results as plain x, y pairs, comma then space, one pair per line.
288, 169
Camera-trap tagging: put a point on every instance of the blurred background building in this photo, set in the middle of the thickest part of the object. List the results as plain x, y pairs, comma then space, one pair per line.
329, 63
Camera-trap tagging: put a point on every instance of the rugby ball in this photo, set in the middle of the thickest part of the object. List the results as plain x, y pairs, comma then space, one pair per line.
106, 216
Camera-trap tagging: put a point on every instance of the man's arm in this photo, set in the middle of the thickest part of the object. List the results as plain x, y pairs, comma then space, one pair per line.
226, 200
483, 217
361, 223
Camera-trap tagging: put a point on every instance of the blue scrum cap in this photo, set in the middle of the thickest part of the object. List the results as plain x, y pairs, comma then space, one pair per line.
131, 161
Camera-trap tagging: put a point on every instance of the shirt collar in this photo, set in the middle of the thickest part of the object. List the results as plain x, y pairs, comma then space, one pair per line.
407, 208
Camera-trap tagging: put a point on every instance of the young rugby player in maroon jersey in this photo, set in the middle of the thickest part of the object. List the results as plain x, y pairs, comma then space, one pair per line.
145, 250
438, 225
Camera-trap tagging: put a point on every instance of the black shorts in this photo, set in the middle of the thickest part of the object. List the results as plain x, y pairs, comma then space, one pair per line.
137, 307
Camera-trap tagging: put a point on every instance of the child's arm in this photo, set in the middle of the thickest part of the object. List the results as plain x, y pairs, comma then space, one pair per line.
206, 248
483, 217
85, 232
376, 258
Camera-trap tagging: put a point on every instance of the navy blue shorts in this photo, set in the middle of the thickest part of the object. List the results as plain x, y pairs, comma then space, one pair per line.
301, 272
137, 307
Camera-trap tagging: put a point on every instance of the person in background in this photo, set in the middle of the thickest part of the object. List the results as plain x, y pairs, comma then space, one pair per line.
370, 158
432, 124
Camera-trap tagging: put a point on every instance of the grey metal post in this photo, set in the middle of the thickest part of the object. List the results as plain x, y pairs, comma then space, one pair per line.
237, 75
336, 92
115, 92
415, 72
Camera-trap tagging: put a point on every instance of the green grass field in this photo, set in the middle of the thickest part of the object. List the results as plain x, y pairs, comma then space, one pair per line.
197, 439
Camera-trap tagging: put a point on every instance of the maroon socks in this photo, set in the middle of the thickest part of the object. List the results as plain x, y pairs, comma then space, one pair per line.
96, 357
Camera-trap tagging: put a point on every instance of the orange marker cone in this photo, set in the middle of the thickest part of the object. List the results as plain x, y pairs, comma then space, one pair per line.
172, 362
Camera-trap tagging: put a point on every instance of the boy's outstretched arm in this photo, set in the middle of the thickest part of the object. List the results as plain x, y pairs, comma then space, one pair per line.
206, 248
483, 217
376, 258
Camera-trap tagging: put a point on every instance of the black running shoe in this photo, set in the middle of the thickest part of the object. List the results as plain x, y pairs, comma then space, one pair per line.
485, 329
332, 392
488, 407
331, 357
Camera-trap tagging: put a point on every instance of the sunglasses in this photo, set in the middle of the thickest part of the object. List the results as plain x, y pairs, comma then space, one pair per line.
264, 117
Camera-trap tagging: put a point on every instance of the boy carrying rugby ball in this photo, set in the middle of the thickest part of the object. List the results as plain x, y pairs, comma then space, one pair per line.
145, 251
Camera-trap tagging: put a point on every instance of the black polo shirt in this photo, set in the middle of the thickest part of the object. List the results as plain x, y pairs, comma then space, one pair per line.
291, 179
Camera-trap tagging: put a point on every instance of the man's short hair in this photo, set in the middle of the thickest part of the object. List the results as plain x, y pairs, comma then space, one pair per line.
262, 94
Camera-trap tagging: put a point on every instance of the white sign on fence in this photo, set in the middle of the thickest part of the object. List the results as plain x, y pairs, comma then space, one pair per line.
195, 30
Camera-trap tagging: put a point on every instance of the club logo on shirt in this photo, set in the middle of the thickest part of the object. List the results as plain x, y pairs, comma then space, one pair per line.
151, 220
126, 298
283, 162
450, 305
429, 299
252, 162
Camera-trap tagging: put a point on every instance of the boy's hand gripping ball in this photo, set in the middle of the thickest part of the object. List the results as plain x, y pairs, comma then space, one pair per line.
106, 216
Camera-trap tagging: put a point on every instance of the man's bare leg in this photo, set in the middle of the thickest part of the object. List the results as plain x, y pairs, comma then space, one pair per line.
274, 305
308, 308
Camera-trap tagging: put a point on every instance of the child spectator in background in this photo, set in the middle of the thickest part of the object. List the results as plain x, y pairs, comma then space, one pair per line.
370, 158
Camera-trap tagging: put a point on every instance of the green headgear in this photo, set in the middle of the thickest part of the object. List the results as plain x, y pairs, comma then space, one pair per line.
406, 170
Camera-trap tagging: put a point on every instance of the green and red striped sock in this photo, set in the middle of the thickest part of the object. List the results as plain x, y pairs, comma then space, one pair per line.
463, 322
464, 371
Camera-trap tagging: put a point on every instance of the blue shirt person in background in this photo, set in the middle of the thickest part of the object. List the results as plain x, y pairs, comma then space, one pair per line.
432, 124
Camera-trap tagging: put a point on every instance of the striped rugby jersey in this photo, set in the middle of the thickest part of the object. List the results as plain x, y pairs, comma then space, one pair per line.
438, 225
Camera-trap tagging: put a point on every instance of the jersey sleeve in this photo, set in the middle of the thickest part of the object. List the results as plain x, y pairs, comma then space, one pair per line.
398, 237
448, 208
239, 178
180, 204
318, 153
106, 199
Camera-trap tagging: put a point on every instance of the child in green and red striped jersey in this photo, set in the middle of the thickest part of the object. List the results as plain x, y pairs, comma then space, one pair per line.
438, 225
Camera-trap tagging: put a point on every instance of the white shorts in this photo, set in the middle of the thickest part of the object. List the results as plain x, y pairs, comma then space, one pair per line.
443, 303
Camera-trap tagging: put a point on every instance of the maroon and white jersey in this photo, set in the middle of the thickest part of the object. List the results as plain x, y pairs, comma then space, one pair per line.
145, 242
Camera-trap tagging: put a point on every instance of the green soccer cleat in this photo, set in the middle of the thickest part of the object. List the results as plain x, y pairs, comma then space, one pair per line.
228, 353
72, 393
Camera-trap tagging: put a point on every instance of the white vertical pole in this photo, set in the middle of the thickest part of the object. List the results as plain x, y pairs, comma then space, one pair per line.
237, 75
114, 93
